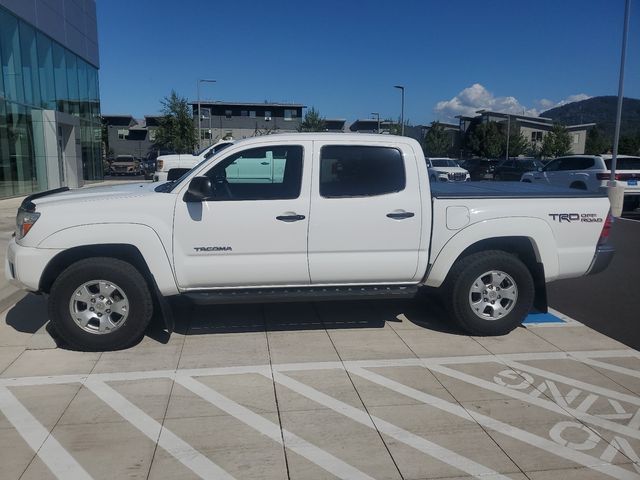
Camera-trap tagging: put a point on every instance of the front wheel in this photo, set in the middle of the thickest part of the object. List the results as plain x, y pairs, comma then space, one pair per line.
100, 304
489, 293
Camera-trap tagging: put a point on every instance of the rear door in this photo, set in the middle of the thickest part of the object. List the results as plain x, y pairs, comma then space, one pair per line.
366, 215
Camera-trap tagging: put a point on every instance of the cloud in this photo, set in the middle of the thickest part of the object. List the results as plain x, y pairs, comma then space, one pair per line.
477, 97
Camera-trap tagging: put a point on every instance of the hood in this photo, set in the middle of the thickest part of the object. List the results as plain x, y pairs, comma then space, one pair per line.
177, 157
448, 169
90, 194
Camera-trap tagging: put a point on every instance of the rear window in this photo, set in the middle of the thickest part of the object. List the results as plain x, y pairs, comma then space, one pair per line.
628, 163
357, 171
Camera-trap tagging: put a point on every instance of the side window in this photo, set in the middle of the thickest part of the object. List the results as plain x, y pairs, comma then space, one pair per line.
358, 171
265, 173
553, 166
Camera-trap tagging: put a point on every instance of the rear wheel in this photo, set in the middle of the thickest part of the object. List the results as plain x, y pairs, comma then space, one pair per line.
489, 293
100, 304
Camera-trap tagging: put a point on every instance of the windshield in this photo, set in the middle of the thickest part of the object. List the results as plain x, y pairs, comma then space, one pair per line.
624, 163
531, 164
445, 162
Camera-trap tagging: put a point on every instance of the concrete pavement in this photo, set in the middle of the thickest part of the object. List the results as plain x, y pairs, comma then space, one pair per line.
352, 390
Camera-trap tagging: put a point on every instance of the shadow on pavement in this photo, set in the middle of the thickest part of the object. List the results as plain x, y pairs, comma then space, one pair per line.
425, 311
28, 315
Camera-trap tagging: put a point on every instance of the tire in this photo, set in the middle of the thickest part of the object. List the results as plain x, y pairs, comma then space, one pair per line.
578, 186
461, 293
109, 283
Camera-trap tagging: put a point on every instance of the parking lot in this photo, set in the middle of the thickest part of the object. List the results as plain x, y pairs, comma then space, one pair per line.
382, 389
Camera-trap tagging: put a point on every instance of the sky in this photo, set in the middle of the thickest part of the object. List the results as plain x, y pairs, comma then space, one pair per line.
344, 57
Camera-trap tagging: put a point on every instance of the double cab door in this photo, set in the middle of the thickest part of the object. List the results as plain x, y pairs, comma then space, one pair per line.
302, 213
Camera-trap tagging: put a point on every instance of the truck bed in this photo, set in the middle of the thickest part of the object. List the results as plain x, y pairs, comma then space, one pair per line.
487, 189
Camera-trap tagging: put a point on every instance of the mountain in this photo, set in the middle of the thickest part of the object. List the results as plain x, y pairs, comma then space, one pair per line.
599, 110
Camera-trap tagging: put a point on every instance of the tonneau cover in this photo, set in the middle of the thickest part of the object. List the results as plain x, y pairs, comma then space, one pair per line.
486, 189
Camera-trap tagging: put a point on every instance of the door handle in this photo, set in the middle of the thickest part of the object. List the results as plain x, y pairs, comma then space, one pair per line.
264, 163
400, 215
290, 218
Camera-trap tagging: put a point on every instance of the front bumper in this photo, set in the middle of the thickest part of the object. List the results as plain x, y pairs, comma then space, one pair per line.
24, 266
601, 259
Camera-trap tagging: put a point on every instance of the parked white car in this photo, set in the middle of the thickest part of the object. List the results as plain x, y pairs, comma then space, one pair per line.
331, 216
185, 161
591, 173
446, 170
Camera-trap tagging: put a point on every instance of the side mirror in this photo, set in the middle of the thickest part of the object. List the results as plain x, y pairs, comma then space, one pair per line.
176, 173
200, 189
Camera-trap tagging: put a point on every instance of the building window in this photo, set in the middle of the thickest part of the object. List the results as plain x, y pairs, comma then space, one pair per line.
252, 114
267, 115
244, 113
228, 113
123, 133
536, 136
152, 135
576, 138
205, 134
290, 114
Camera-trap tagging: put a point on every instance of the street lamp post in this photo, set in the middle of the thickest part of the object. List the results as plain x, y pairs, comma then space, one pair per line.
378, 116
508, 135
202, 80
401, 88
616, 192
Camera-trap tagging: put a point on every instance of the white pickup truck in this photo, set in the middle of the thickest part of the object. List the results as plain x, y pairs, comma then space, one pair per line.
184, 161
343, 216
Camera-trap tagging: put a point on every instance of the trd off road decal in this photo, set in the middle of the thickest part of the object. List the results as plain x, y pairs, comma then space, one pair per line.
576, 217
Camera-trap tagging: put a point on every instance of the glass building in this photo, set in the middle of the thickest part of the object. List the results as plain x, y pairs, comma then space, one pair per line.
50, 128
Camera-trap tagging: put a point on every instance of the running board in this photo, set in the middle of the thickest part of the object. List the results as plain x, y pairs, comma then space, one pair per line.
301, 294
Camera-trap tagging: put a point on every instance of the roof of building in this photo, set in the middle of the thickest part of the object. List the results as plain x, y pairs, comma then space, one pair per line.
247, 104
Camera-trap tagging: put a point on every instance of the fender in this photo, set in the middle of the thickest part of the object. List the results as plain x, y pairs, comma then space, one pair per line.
143, 237
537, 230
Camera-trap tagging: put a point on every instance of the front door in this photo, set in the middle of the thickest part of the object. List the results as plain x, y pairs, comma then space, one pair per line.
254, 231
366, 215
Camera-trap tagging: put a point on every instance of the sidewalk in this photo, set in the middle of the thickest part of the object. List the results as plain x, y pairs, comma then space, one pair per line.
8, 209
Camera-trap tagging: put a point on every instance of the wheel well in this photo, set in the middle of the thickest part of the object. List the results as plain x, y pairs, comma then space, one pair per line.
64, 259
524, 249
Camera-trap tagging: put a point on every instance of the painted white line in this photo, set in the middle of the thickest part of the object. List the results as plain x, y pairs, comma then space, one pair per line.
261, 369
54, 455
589, 387
609, 366
419, 443
293, 442
569, 320
561, 407
501, 427
181, 450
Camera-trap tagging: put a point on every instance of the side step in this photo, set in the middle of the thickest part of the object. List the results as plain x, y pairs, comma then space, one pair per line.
301, 294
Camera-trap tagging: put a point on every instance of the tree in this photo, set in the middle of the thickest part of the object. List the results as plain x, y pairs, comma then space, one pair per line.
596, 142
486, 140
556, 142
437, 142
176, 131
313, 122
629, 144
518, 144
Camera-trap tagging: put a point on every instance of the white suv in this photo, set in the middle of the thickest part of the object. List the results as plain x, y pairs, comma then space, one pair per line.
591, 172
446, 170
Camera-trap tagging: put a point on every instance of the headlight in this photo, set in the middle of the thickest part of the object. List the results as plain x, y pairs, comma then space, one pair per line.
24, 221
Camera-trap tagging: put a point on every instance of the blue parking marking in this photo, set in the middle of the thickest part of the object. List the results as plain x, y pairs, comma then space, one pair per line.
542, 318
